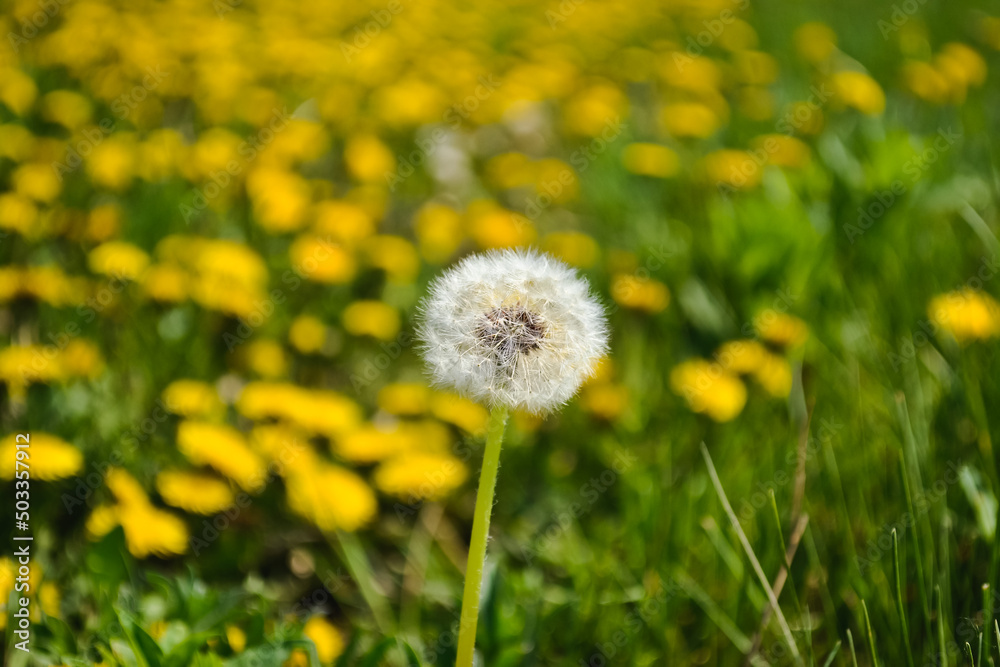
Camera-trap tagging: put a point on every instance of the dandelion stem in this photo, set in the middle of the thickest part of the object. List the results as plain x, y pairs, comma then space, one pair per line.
480, 534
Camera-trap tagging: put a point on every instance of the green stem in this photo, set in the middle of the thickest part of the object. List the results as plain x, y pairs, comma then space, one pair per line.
480, 533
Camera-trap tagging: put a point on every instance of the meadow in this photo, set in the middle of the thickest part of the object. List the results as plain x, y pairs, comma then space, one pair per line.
219, 219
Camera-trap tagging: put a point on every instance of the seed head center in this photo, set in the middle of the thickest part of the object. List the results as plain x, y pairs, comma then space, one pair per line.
510, 331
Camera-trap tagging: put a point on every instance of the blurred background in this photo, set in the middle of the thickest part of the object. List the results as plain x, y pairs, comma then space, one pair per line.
218, 218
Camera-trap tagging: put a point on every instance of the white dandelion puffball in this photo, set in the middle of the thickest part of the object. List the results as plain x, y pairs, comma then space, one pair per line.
512, 327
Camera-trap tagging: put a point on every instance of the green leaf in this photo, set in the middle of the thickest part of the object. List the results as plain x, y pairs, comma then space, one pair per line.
147, 646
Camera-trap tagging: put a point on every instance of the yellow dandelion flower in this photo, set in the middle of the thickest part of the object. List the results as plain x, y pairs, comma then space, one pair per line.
467, 415
368, 159
404, 398
732, 168
574, 248
741, 356
102, 521
651, 160
372, 443
371, 318
81, 358
125, 488
707, 388
112, 162
420, 476
23, 365
926, 82
307, 334
16, 142
192, 398
48, 457
966, 63
103, 222
320, 261
343, 222
815, 42
328, 640
966, 314
160, 154
783, 150
427, 435
51, 285
280, 199
117, 258
236, 638
69, 109
321, 412
17, 90
331, 497
194, 492
17, 213
604, 399
775, 375
592, 110
439, 232
281, 443
394, 255
49, 599
645, 294
493, 227
223, 448
781, 328
858, 91
37, 181
689, 119
166, 282
152, 532
266, 358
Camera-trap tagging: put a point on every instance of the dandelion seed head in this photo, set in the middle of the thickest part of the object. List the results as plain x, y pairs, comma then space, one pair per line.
512, 327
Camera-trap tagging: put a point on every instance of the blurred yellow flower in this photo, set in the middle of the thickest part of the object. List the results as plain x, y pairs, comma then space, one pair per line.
118, 259
266, 358
49, 599
192, 398
17, 90
343, 222
371, 318
775, 375
394, 255
420, 476
926, 82
48, 457
783, 150
160, 154
741, 356
223, 448
604, 399
404, 398
815, 42
151, 531
166, 282
112, 162
38, 181
368, 159
732, 168
17, 213
328, 640
781, 328
321, 412
494, 227
330, 497
236, 638
593, 109
858, 91
439, 232
280, 199
307, 334
963, 63
68, 108
125, 488
81, 358
320, 261
467, 415
371, 443
281, 443
16, 142
574, 248
707, 388
103, 222
102, 520
966, 314
645, 294
689, 119
193, 492
650, 160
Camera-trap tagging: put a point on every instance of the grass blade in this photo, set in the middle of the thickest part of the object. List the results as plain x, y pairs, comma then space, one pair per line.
871, 635
900, 605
